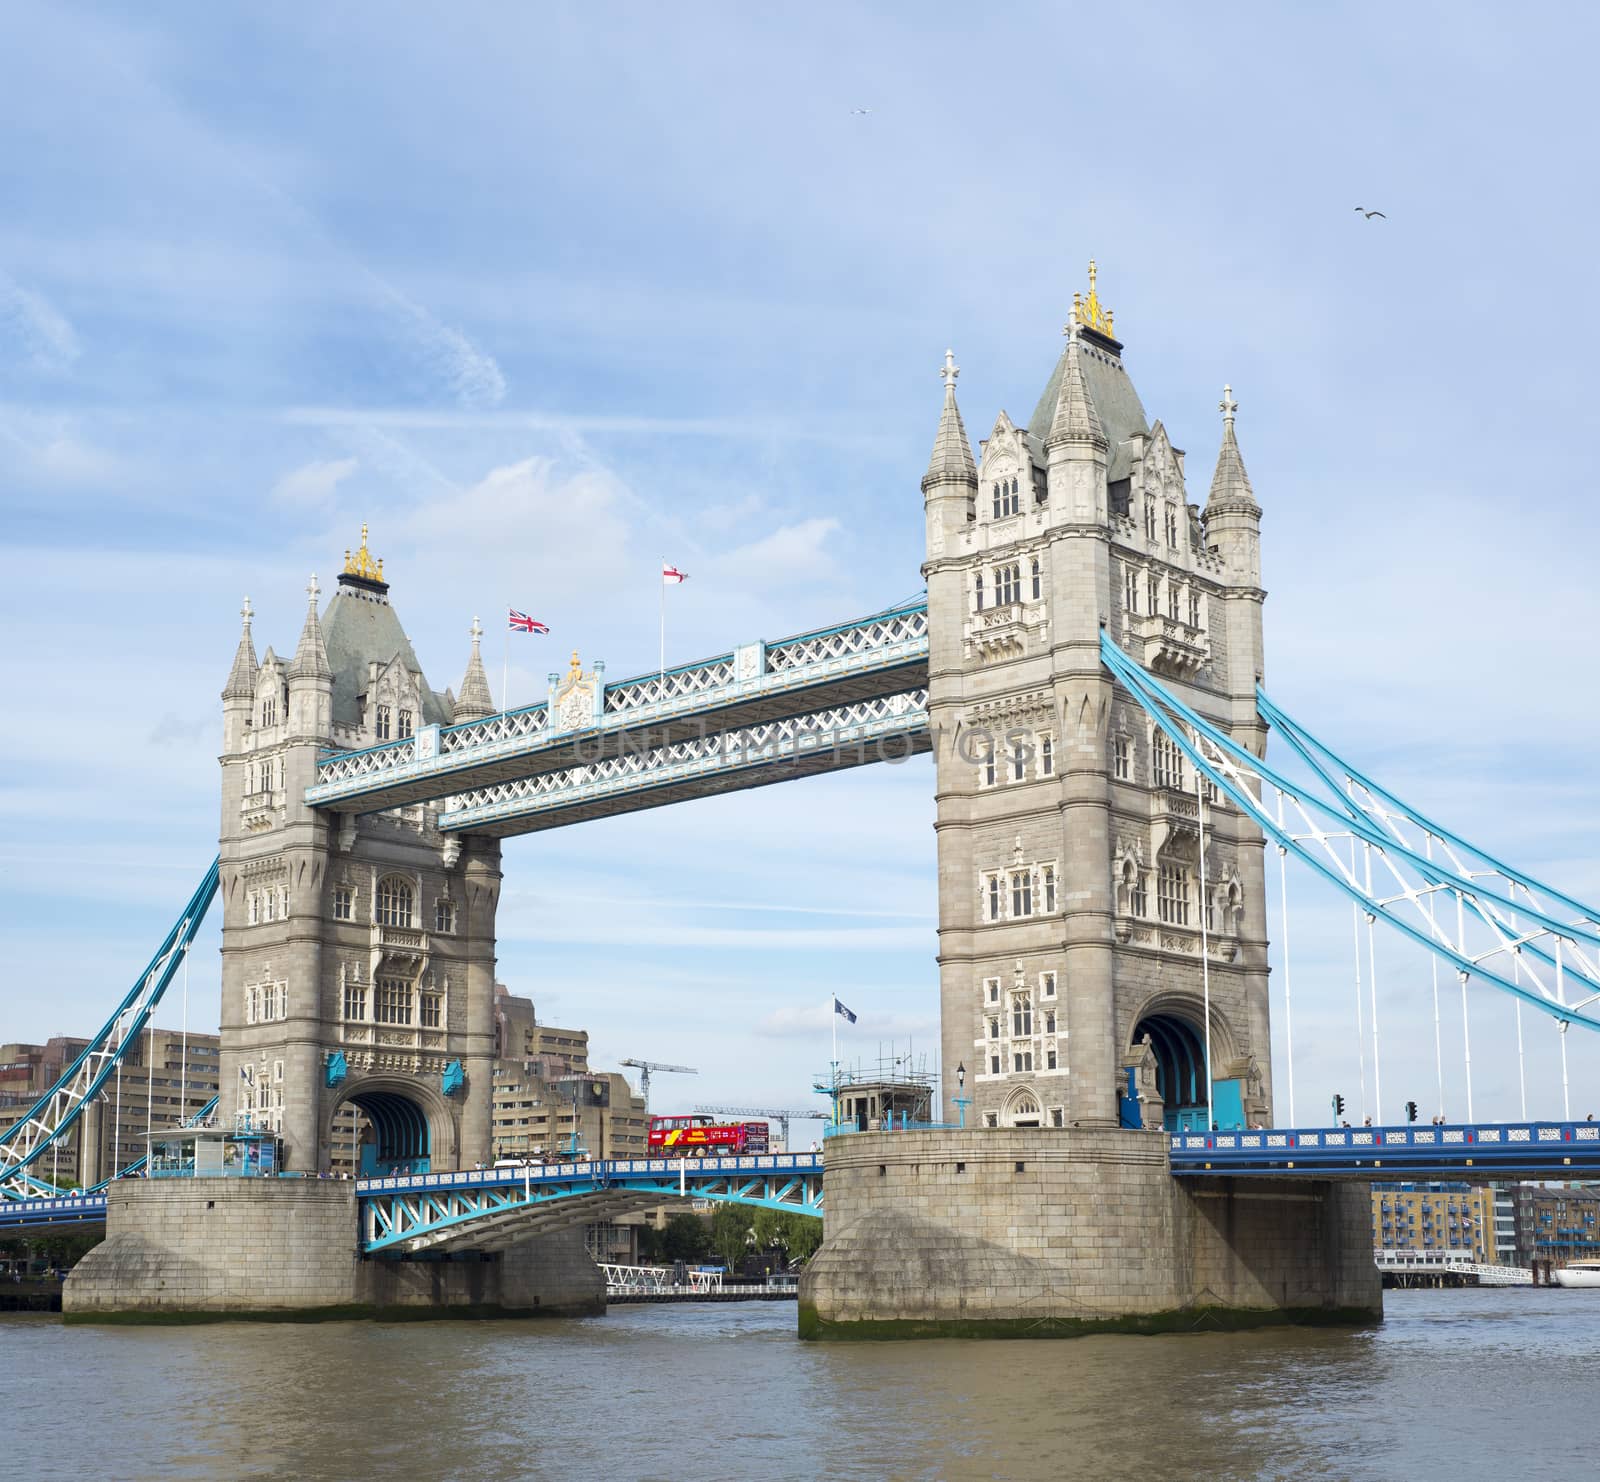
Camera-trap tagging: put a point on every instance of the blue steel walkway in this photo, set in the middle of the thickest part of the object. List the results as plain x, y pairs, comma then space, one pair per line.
1472, 1153
489, 1208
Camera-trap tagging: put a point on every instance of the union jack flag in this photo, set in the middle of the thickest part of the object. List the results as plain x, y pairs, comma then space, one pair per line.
522, 623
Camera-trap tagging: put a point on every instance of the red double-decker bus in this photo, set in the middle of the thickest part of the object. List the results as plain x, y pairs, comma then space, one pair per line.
701, 1137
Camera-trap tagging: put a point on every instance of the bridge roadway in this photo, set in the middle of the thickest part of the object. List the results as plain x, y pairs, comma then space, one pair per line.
486, 1208
490, 1208
759, 684
1476, 1153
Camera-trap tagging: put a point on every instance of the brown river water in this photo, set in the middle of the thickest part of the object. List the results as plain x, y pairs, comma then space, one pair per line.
1454, 1384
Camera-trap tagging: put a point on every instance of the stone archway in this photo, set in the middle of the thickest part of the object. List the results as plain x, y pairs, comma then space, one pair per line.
408, 1126
1022, 1109
1174, 1024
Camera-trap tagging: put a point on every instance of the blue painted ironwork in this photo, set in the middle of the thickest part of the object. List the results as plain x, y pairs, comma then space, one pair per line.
885, 728
336, 1069
1476, 1153
23, 1144
884, 653
61, 1210
1562, 981
484, 1207
453, 1079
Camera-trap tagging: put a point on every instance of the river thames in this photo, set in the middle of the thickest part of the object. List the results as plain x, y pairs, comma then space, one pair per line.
1457, 1384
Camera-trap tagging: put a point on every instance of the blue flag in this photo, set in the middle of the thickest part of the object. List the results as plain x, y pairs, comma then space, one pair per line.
839, 1008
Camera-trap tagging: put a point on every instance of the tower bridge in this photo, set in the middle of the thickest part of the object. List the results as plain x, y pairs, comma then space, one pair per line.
1087, 671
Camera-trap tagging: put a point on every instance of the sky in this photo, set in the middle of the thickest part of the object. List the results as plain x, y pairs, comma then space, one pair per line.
546, 295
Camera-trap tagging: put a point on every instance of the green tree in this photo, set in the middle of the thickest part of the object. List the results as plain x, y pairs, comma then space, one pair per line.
730, 1233
684, 1239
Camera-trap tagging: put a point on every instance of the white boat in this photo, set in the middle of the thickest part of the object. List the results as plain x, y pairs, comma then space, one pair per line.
1579, 1273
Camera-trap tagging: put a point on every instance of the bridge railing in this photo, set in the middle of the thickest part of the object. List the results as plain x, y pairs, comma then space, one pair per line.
884, 639
1515, 1146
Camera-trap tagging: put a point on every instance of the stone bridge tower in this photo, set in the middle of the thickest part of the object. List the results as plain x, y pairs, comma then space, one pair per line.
1071, 906
358, 954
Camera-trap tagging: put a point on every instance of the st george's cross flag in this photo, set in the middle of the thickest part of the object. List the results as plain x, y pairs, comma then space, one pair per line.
520, 622
671, 576
839, 1008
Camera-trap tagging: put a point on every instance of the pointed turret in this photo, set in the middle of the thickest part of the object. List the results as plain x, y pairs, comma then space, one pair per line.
951, 462
241, 683
1076, 447
1230, 485
311, 655
311, 676
1076, 420
1232, 518
239, 693
475, 702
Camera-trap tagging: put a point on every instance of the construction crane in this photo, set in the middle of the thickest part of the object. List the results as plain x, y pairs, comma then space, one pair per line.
644, 1067
782, 1118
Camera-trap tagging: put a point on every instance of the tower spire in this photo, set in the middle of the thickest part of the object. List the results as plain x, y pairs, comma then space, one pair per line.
311, 654
474, 702
241, 683
1075, 420
951, 461
1230, 484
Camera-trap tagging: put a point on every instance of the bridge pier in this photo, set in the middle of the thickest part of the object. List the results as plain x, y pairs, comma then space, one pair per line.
195, 1250
1033, 1232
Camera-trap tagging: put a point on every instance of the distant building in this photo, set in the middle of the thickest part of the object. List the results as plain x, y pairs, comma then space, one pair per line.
547, 1099
152, 1091
1556, 1223
1455, 1219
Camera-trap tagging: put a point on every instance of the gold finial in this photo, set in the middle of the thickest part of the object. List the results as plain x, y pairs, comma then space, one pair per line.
576, 671
361, 564
1090, 312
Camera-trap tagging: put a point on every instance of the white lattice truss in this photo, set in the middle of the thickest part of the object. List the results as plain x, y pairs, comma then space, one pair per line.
27, 1142
882, 641
1484, 918
883, 729
490, 1209
623, 1281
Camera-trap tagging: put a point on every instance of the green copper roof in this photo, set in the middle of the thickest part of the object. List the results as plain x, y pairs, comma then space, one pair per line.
357, 629
1121, 411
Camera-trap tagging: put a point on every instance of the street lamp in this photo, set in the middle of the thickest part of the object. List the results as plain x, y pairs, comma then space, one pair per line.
962, 1101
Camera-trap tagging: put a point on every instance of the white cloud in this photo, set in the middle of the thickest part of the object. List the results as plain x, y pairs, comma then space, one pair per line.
314, 483
472, 375
48, 340
791, 554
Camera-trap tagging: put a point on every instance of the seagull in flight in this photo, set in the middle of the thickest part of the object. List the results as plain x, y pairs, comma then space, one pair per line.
1370, 214
861, 110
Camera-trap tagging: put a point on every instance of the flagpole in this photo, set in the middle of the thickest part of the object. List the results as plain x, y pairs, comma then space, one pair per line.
662, 673
833, 1007
505, 662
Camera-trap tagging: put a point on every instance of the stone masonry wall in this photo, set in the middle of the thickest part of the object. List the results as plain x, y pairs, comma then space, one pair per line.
1047, 1232
186, 1248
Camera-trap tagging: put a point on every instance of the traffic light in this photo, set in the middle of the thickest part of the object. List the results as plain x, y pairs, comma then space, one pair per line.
1411, 1111
1338, 1105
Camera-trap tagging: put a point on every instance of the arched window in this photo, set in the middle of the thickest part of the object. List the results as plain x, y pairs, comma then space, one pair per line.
269, 711
1038, 579
403, 726
996, 492
1150, 517
1172, 527
1166, 762
380, 727
1007, 585
394, 901
977, 586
